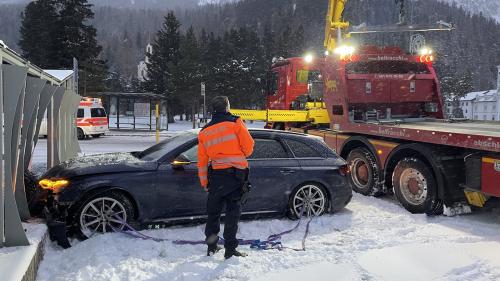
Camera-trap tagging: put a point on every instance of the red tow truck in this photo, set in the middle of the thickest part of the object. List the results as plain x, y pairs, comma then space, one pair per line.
386, 118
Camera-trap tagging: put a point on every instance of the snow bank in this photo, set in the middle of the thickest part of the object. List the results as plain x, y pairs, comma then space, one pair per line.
15, 261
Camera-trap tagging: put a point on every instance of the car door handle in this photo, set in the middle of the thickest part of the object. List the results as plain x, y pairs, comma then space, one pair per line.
287, 171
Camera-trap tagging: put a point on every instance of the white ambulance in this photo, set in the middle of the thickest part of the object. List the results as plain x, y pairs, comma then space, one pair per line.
92, 119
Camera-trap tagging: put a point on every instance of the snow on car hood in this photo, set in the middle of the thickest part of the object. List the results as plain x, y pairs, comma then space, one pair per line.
99, 164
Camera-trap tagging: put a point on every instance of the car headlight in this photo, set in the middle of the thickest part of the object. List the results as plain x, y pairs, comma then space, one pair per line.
54, 185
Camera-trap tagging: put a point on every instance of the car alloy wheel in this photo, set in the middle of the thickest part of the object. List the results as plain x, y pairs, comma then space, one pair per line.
101, 215
309, 200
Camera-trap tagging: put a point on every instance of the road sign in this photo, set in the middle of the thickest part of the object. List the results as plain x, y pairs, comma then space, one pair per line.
202, 88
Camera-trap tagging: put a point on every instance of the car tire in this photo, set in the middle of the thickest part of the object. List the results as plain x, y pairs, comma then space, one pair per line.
364, 172
415, 187
96, 136
80, 134
315, 197
91, 221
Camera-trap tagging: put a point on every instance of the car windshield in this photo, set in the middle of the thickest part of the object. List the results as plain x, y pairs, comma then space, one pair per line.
159, 150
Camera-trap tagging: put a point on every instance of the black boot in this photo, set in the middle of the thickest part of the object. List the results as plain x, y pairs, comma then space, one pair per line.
229, 253
212, 250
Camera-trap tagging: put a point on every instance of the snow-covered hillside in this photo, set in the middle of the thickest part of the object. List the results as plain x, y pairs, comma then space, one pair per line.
489, 8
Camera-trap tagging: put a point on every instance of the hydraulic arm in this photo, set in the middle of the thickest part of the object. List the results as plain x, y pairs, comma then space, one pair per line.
335, 25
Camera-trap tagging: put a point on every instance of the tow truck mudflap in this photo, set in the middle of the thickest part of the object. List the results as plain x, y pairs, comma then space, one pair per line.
57, 230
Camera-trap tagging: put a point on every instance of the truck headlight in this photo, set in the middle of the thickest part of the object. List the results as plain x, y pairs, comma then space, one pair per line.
54, 185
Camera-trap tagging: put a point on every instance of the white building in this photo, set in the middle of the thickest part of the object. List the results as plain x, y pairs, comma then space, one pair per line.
142, 68
484, 105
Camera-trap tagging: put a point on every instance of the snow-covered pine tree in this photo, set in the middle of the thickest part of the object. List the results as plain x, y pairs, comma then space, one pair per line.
163, 60
187, 75
76, 38
38, 30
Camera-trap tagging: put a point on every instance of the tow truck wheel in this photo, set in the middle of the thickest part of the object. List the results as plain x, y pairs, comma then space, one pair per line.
364, 171
80, 134
415, 187
104, 213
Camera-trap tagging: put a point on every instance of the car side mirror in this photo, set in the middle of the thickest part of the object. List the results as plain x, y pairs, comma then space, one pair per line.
179, 163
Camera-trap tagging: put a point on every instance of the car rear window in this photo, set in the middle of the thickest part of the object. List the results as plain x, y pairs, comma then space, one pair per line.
268, 149
302, 150
80, 114
97, 112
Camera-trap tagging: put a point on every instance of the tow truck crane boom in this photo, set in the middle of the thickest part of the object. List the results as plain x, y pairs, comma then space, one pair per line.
335, 25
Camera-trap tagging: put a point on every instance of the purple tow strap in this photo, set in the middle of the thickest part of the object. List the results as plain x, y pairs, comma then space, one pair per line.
270, 243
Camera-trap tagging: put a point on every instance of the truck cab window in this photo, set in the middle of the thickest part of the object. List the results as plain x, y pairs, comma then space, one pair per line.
314, 82
273, 82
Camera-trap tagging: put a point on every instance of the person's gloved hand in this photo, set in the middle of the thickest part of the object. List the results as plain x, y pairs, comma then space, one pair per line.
205, 188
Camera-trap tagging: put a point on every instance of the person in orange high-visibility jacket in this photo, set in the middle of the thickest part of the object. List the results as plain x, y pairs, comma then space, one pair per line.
223, 147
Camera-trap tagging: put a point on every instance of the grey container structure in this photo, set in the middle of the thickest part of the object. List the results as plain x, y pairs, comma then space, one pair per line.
26, 93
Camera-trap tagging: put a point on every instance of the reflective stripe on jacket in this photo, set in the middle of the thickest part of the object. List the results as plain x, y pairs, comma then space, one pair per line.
225, 142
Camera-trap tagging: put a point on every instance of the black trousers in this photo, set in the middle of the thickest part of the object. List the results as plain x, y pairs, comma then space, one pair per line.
225, 189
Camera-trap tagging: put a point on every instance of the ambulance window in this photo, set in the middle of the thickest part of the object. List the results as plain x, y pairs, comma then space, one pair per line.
268, 149
97, 112
79, 114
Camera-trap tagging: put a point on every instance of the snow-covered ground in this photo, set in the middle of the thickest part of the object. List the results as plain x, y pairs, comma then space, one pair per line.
371, 239
14, 261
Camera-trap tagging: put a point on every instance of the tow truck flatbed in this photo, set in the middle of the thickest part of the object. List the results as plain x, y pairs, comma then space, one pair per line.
482, 136
463, 127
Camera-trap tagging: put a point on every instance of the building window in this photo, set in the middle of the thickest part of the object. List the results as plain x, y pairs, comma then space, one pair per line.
466, 111
493, 118
485, 117
467, 104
